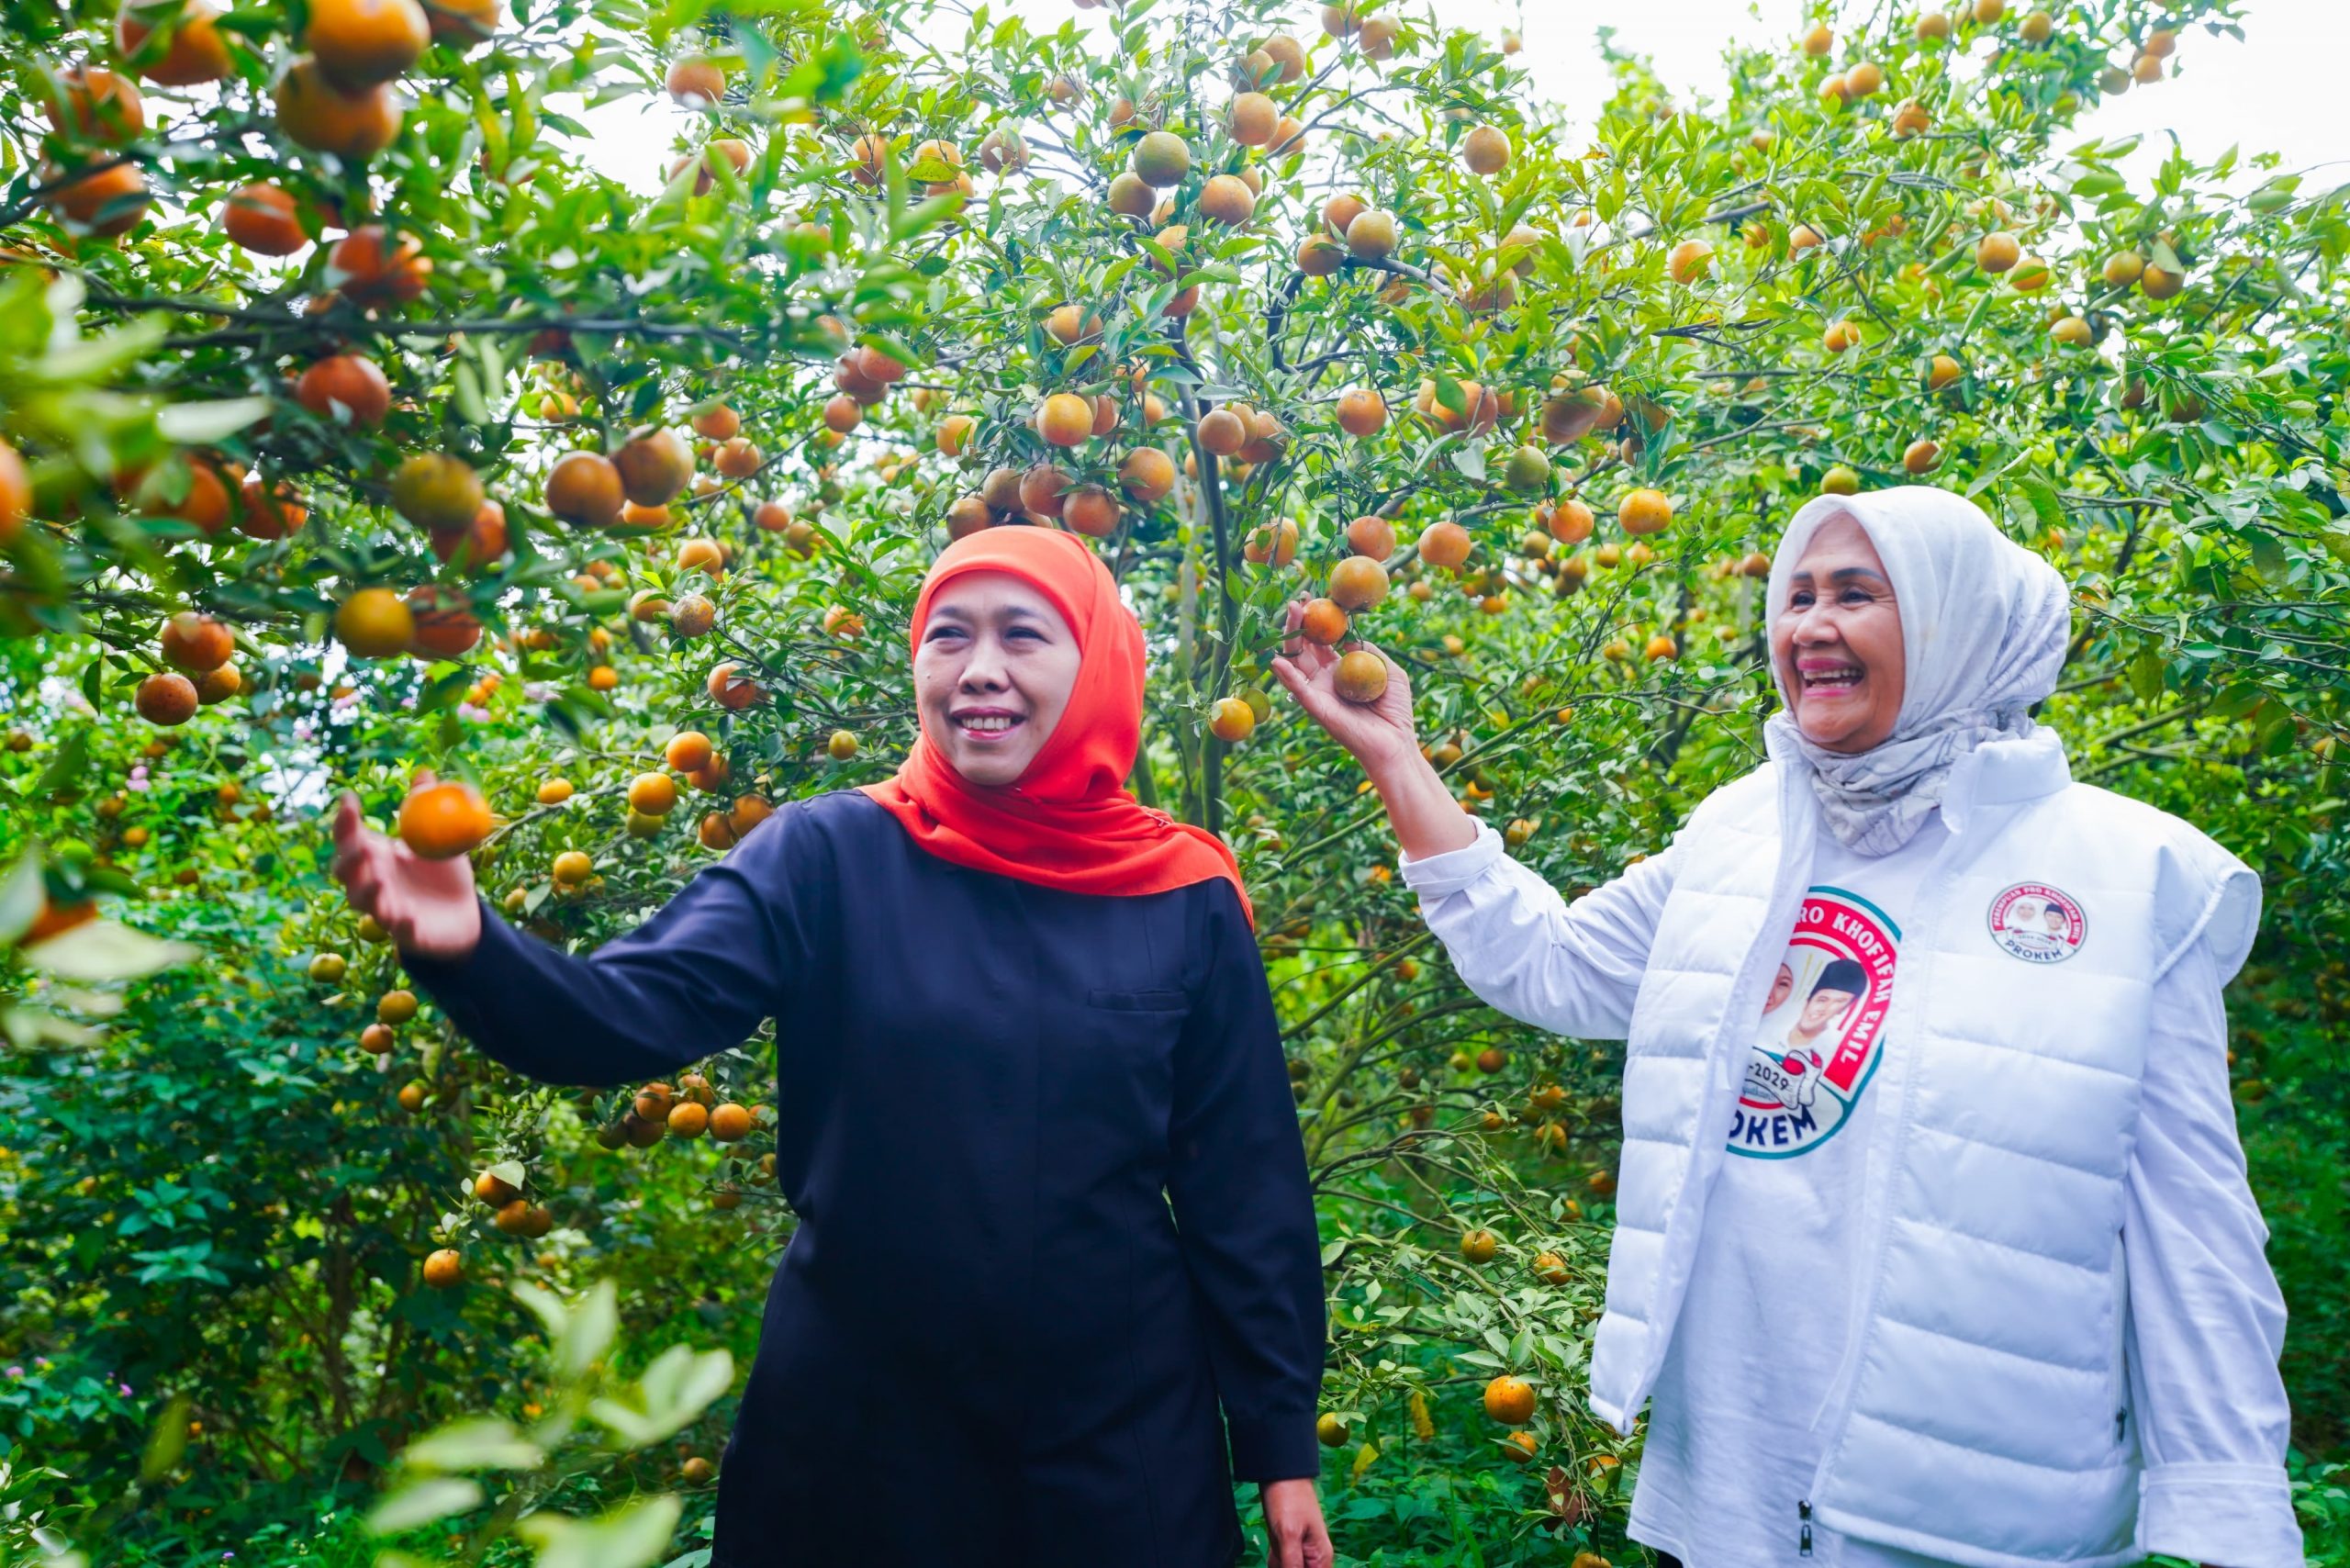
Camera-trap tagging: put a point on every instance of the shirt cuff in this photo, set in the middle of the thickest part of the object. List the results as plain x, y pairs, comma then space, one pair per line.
1440, 875
2229, 1515
449, 979
1273, 1448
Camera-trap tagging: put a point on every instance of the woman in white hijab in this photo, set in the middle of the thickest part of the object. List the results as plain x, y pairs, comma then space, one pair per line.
1932, 1239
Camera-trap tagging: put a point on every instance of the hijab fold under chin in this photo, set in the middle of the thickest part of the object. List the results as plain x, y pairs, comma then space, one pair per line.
1984, 623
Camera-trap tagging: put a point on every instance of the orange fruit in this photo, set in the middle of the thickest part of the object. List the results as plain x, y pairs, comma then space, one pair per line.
688, 751
1043, 490
363, 43
1226, 200
93, 103
572, 867
1065, 420
1478, 1246
1148, 475
442, 821
654, 465
1162, 159
1372, 538
1358, 583
348, 388
377, 1039
374, 623
104, 202
736, 459
444, 1269
1361, 411
1644, 511
717, 422
1224, 431
462, 22
394, 1007
15, 493
749, 812
696, 84
481, 542
446, 627
1230, 720
196, 642
370, 270
688, 1119
195, 50
1090, 510
314, 113
263, 220
729, 1123
1371, 236
584, 487
1444, 545
732, 690
1922, 456
654, 794
1362, 676
165, 699
1322, 622
1998, 251
1275, 544
436, 491
1510, 1400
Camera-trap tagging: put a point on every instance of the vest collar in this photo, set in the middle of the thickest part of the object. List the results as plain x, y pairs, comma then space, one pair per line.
1997, 773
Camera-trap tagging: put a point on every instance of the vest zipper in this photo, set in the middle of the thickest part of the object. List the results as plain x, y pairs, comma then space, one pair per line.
1934, 894
1803, 1532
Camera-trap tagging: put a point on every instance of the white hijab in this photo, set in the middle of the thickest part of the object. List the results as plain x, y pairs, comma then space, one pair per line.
1984, 623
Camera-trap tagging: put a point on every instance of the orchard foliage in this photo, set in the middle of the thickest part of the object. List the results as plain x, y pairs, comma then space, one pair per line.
357, 421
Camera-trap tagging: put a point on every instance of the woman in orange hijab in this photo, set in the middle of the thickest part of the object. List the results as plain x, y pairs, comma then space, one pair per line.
1034, 1116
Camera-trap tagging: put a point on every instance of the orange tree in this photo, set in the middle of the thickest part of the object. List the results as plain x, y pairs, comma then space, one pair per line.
357, 422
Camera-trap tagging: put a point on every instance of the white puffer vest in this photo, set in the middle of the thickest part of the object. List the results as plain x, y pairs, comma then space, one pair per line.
1988, 1352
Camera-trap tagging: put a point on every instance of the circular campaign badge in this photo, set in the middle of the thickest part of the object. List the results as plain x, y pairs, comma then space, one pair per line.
2038, 923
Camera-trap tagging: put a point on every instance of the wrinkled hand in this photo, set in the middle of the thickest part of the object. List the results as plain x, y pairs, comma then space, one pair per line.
1294, 1534
428, 905
1376, 733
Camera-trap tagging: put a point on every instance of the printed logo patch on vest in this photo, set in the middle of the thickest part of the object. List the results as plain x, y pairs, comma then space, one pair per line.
1820, 1039
2038, 923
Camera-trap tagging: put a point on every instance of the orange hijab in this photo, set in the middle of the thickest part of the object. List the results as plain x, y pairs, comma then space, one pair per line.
1068, 822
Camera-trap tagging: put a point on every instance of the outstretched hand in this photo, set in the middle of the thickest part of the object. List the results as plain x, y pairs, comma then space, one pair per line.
429, 906
1376, 733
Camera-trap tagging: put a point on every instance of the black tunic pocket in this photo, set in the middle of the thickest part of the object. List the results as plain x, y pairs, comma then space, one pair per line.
1137, 1000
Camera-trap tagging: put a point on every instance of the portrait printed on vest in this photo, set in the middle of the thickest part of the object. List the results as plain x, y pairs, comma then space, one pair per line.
2038, 923
1818, 1044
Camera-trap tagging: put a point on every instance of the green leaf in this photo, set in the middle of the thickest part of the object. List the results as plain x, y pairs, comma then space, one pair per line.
423, 1503
480, 1443
71, 752
588, 1330
105, 950
2045, 504
632, 1536
201, 424
21, 896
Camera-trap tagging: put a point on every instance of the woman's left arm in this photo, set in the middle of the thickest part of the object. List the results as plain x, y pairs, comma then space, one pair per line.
1244, 1209
2205, 1319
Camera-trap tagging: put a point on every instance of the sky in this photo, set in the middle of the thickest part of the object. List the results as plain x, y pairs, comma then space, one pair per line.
2273, 92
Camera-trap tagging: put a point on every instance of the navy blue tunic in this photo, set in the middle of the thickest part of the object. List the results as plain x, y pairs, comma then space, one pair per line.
1053, 1205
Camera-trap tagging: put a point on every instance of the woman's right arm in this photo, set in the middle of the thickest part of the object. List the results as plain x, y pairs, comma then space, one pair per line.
695, 979
1570, 969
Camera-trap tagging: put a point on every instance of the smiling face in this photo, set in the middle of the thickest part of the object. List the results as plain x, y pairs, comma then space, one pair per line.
1783, 984
1837, 641
1821, 1008
993, 674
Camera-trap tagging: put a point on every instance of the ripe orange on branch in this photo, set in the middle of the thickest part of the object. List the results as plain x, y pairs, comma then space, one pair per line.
194, 49
196, 642
313, 112
363, 43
